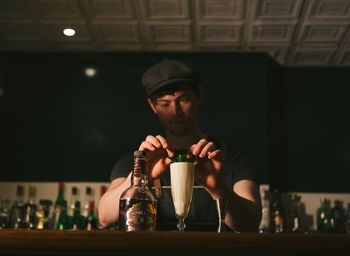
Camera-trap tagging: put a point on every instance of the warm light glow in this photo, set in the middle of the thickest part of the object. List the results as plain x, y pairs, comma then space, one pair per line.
1, 92
69, 32
90, 72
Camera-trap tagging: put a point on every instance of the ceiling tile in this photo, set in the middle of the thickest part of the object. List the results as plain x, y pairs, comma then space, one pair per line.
329, 9
164, 9
215, 9
271, 32
110, 9
277, 9
58, 9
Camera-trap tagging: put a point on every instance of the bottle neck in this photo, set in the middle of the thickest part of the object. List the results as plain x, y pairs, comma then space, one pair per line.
139, 179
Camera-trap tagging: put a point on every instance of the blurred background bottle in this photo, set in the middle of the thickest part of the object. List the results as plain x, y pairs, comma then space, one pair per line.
296, 214
17, 209
265, 219
324, 217
277, 213
44, 214
63, 222
59, 204
30, 209
88, 198
4, 213
91, 221
338, 217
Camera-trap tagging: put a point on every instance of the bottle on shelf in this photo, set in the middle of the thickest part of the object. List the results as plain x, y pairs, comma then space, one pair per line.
338, 216
277, 218
265, 219
91, 221
78, 221
59, 205
4, 213
73, 199
88, 199
30, 207
296, 214
347, 223
324, 217
137, 205
63, 222
17, 209
44, 214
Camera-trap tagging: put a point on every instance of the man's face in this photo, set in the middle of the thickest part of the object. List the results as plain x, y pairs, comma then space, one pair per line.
178, 112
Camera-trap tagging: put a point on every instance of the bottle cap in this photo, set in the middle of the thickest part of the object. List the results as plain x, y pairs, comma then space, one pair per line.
139, 153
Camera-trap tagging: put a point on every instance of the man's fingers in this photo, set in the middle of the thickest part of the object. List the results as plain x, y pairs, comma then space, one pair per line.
207, 149
197, 148
145, 145
162, 141
154, 141
215, 154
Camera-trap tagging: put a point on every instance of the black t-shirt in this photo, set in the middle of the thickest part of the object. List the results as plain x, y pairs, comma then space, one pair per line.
203, 213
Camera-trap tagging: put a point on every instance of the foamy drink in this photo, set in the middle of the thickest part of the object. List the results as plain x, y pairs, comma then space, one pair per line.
182, 178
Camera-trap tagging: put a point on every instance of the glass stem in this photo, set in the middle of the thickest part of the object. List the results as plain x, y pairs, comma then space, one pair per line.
181, 225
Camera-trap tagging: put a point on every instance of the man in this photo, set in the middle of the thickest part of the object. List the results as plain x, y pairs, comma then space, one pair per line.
174, 95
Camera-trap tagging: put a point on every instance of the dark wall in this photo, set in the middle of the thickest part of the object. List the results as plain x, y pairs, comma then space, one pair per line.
57, 124
318, 129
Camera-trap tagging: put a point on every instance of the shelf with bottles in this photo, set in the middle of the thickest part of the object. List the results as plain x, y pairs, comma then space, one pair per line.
31, 213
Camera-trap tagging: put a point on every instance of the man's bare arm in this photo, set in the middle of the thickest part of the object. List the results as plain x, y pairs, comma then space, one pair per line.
244, 206
108, 207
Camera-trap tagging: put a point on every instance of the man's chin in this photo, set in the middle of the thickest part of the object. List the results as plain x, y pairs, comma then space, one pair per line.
179, 132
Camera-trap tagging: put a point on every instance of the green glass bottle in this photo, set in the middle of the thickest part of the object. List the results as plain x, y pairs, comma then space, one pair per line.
59, 204
91, 220
63, 219
324, 217
78, 220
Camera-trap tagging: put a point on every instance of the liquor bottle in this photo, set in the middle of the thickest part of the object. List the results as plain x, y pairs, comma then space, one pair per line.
265, 220
138, 206
30, 209
88, 199
17, 209
63, 222
44, 215
73, 199
324, 218
338, 216
277, 214
347, 224
295, 212
78, 220
4, 213
91, 221
59, 204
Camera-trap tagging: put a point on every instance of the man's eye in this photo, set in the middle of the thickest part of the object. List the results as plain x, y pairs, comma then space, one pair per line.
164, 105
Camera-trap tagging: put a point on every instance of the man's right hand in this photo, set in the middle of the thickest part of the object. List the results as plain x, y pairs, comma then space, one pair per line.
158, 153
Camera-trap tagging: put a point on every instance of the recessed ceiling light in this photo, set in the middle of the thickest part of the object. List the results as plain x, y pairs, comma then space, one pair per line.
90, 72
69, 32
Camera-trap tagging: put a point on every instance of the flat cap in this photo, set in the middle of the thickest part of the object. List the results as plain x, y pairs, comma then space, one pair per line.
168, 72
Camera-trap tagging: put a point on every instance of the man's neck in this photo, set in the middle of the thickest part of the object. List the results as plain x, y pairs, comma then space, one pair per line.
184, 142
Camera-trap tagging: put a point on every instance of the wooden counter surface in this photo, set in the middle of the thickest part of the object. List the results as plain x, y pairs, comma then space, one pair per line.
37, 242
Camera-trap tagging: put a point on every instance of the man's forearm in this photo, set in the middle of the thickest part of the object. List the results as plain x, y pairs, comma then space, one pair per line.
108, 207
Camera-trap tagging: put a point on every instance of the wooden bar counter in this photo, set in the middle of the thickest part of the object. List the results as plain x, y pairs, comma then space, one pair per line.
37, 242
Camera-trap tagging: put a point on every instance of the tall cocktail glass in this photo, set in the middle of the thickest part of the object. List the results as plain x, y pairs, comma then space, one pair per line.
182, 179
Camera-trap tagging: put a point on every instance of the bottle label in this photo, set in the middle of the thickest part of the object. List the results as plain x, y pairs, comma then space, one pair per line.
140, 216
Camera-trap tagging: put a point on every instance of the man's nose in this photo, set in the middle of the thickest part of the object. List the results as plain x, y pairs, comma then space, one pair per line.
176, 109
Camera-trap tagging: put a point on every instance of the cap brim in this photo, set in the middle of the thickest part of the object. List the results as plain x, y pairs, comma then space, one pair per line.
168, 82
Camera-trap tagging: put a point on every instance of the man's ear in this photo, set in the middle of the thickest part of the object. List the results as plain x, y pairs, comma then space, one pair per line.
151, 104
